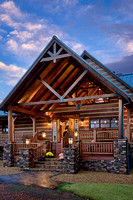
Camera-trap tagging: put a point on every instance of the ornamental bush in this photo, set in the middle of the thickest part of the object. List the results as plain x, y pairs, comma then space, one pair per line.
49, 154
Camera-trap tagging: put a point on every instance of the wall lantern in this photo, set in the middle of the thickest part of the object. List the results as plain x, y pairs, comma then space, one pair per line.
76, 134
70, 140
43, 135
49, 123
27, 141
82, 121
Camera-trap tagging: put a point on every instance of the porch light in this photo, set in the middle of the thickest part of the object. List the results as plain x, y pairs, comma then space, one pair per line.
44, 135
116, 121
27, 141
82, 122
70, 140
76, 133
49, 123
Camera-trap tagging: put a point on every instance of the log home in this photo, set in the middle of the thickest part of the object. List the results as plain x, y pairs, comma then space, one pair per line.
63, 89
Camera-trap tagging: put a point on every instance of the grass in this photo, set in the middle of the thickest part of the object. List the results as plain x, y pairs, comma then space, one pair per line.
100, 191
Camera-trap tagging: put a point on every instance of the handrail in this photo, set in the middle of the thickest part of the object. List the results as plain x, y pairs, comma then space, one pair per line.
38, 152
97, 147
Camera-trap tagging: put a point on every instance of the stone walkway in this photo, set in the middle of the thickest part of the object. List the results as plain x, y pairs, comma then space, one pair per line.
32, 178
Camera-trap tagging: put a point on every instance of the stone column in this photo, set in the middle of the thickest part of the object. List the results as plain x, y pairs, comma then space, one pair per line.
120, 156
26, 158
8, 159
71, 160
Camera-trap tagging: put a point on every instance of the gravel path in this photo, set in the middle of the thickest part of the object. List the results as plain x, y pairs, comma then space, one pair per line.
94, 177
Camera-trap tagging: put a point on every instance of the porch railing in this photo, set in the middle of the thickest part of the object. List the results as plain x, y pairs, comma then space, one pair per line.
107, 135
39, 152
18, 146
97, 148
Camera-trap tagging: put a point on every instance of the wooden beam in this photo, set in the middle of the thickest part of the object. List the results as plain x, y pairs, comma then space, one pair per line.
75, 83
34, 125
50, 88
56, 57
28, 112
10, 125
120, 118
68, 100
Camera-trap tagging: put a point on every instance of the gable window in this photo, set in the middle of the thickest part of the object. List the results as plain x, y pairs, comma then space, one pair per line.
104, 123
4, 127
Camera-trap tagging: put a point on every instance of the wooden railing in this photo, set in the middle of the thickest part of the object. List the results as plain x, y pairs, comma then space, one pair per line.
18, 146
86, 135
97, 148
39, 152
131, 135
107, 135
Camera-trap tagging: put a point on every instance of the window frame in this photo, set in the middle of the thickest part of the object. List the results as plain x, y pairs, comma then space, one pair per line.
99, 122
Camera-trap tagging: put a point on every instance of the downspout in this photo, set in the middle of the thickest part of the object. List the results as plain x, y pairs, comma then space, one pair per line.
125, 136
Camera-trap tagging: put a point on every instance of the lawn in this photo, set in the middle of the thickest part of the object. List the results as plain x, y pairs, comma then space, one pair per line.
100, 191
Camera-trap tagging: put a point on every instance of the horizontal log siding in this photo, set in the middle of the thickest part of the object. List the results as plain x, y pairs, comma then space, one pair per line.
97, 111
42, 125
23, 129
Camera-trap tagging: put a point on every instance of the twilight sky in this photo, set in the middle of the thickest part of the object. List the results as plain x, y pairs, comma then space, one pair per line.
103, 27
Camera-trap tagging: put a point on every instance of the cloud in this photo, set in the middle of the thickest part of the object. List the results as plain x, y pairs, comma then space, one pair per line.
10, 8
125, 65
12, 45
11, 73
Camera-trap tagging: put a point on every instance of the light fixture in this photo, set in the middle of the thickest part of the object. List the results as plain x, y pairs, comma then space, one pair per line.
82, 121
49, 124
116, 121
105, 121
76, 133
70, 140
43, 135
95, 122
27, 141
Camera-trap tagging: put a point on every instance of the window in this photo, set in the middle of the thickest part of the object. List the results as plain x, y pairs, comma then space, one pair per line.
114, 122
54, 131
4, 127
94, 123
104, 123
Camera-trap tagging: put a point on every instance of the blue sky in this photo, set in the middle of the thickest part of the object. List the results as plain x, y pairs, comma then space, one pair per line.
103, 27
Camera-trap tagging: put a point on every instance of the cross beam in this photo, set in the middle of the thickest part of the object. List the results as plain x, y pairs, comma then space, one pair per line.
55, 55
70, 99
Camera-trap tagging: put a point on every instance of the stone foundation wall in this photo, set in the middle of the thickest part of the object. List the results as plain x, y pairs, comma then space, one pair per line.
117, 165
131, 155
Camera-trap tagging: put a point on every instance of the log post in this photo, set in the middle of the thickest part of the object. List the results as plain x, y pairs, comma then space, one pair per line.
120, 119
10, 126
34, 125
13, 128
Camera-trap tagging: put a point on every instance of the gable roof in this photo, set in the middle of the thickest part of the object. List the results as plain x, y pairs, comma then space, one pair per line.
115, 79
100, 72
128, 78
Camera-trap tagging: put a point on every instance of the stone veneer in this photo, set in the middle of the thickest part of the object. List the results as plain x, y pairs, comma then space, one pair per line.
131, 155
117, 165
71, 160
8, 155
26, 158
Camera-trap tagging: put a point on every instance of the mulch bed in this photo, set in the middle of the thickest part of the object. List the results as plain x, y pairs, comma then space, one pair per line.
23, 192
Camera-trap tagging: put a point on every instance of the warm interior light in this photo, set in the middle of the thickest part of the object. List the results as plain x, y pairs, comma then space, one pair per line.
43, 135
105, 121
27, 141
76, 133
82, 122
49, 123
70, 140
116, 121
95, 122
